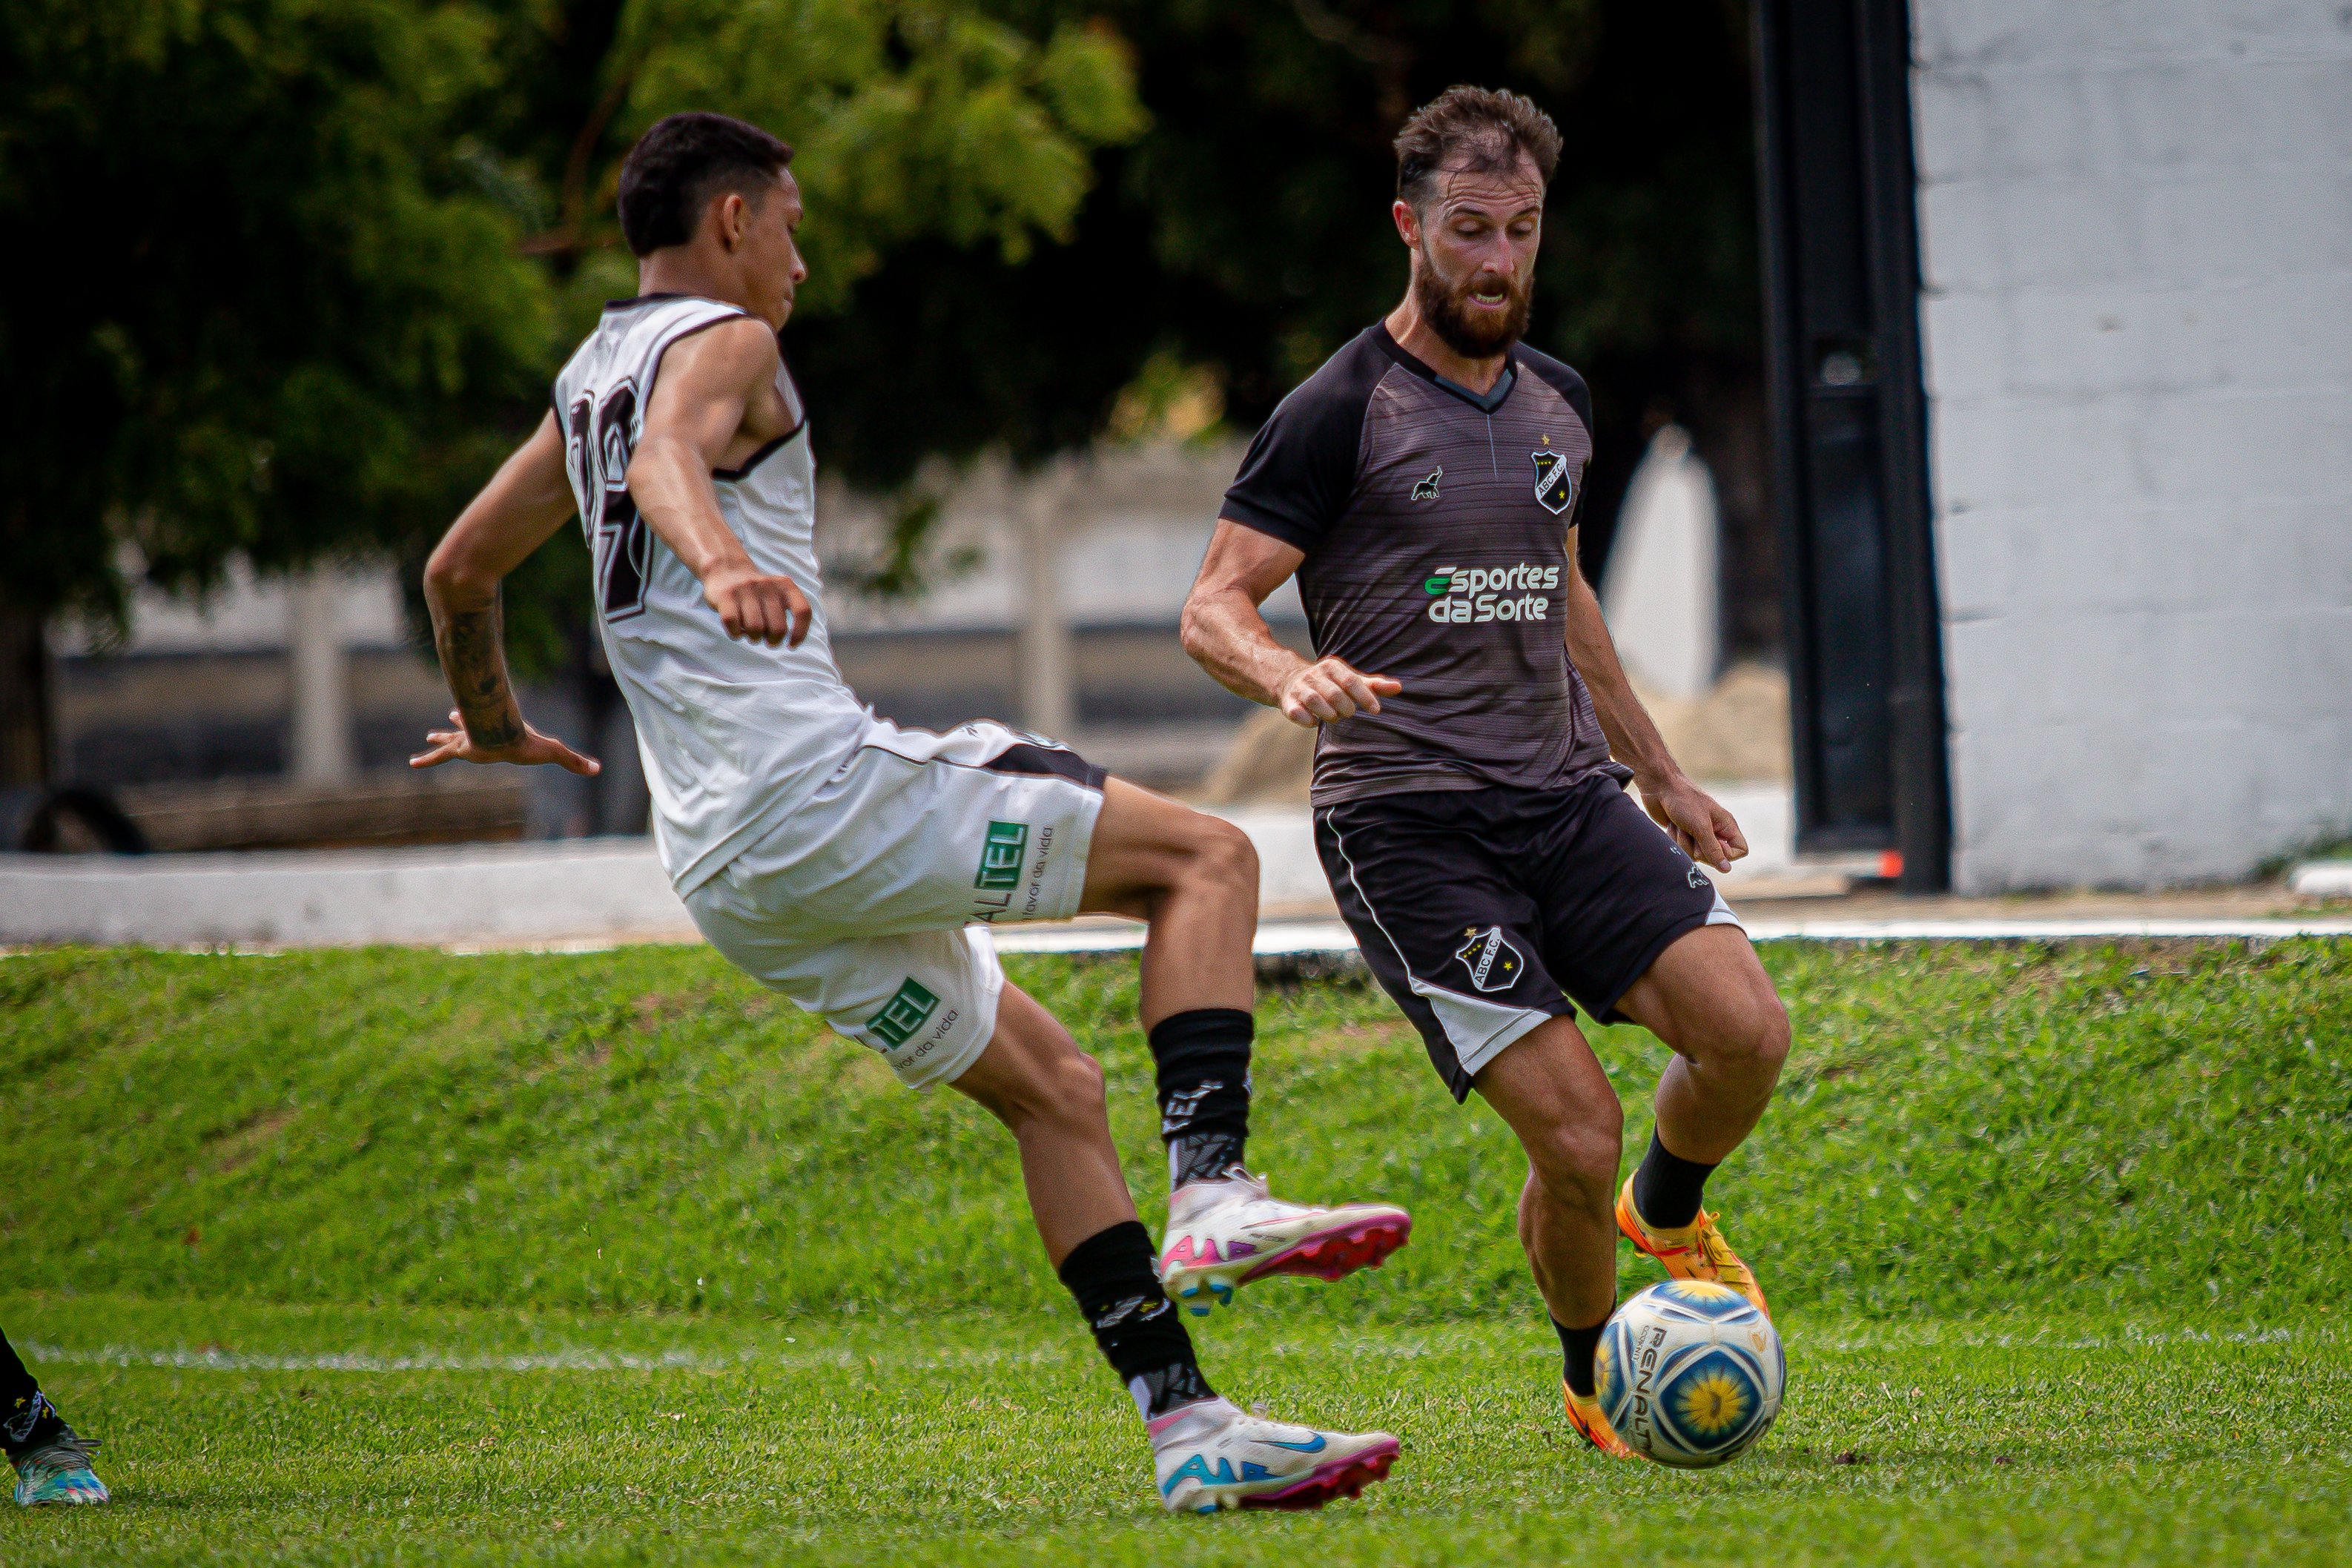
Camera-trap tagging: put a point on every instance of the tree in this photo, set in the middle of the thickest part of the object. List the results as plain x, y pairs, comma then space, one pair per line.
270, 307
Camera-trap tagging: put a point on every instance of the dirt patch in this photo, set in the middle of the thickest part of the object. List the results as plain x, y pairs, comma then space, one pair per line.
653, 1011
241, 1145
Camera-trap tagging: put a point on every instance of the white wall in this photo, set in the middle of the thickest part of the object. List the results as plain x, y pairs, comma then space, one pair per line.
2136, 226
1134, 523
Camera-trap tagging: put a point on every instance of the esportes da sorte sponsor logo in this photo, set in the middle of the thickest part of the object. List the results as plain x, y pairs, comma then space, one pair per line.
1464, 594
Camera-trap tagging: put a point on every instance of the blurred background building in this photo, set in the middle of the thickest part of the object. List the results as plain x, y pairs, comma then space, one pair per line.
1975, 412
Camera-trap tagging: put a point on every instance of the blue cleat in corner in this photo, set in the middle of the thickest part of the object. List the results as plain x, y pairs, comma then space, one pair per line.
58, 1472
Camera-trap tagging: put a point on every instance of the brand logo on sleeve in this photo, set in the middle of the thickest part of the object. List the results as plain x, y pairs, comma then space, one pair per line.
1462, 594
903, 1014
1555, 477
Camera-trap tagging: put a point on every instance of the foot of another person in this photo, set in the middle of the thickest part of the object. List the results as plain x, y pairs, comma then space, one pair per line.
1692, 1251
1584, 1415
57, 1471
1209, 1455
1228, 1232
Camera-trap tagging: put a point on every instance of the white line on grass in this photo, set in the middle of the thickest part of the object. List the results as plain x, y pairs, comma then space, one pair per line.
1283, 938
575, 1360
1411, 1347
419, 1361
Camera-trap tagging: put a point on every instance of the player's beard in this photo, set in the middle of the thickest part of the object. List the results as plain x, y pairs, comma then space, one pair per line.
1472, 334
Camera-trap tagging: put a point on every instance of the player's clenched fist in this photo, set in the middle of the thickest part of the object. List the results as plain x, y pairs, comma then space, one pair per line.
1328, 691
759, 609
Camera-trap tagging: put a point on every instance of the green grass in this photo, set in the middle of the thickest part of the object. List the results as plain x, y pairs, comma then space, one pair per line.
615, 1259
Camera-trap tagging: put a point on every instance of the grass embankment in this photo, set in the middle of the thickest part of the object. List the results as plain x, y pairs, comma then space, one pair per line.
617, 1258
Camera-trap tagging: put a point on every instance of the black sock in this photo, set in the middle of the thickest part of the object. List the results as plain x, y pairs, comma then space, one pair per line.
1204, 1058
1667, 1187
1576, 1350
1142, 1334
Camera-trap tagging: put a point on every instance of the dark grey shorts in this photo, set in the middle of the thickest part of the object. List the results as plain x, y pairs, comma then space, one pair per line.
1484, 912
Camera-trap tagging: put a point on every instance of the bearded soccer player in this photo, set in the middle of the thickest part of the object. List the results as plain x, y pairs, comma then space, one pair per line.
1477, 733
856, 866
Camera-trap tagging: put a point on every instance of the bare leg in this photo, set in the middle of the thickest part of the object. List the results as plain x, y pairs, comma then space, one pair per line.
1033, 1078
1549, 1087
1194, 877
1712, 1003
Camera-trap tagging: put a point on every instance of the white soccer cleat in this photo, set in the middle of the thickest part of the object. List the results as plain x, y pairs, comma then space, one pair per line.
1209, 1455
1227, 1233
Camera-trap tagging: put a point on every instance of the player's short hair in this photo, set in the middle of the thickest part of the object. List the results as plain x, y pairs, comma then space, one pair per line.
680, 163
1474, 130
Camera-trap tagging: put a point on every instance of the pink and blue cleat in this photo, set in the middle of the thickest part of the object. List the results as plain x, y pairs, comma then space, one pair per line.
1211, 1455
1222, 1234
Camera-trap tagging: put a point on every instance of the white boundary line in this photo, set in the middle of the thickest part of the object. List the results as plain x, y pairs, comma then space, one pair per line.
1300, 938
1832, 1336
1280, 937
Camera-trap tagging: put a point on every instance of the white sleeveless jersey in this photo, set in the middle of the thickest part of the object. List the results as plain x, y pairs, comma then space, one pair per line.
734, 734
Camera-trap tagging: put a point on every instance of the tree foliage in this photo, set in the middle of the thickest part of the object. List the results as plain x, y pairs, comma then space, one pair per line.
267, 308
294, 301
911, 121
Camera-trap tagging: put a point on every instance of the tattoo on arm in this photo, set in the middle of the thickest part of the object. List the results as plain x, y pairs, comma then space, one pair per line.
471, 641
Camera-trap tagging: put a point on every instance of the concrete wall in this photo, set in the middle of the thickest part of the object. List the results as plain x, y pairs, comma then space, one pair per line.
2137, 228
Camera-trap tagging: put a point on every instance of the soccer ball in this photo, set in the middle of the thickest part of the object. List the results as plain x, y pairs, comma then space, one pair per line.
1689, 1372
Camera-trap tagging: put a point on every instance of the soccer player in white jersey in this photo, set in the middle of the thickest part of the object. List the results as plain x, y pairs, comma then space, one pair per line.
856, 866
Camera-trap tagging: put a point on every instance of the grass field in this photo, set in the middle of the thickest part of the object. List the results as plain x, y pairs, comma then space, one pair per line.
401, 1257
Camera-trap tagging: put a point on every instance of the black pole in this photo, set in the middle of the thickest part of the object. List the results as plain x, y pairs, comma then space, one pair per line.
1848, 439
1923, 821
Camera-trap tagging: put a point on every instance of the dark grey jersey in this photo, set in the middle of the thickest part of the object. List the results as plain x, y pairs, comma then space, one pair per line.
1434, 522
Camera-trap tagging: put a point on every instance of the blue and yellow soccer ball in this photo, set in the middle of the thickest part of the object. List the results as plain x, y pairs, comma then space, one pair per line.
1689, 1372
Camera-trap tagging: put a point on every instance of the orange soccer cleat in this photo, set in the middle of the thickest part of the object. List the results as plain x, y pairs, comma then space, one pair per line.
1584, 1415
1694, 1251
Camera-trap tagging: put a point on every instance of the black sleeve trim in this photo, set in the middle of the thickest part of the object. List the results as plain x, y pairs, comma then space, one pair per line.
1300, 473
1259, 520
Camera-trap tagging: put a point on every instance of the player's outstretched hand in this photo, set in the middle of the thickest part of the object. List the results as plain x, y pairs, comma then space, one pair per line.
1328, 691
757, 608
454, 745
1697, 821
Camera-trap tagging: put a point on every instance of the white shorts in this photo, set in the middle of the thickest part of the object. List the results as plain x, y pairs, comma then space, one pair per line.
867, 906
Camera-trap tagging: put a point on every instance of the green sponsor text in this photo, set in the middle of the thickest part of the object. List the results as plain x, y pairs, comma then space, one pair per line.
1000, 857
904, 1013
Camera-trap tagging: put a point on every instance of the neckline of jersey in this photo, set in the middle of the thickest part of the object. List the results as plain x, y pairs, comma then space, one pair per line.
1485, 404
636, 299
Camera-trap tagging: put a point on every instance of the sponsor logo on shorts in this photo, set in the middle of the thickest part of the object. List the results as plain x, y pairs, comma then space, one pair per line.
1462, 594
1000, 855
1494, 963
1004, 878
1694, 876
903, 1014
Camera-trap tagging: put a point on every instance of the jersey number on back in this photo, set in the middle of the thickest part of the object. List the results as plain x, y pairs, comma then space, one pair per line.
600, 445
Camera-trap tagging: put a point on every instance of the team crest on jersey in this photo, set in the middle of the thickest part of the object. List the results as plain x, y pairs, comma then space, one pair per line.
1555, 479
1427, 489
1494, 963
